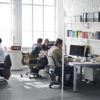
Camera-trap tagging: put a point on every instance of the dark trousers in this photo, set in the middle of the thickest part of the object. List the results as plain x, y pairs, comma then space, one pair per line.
68, 70
2, 67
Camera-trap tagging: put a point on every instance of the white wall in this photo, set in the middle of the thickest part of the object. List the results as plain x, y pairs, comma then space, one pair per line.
59, 18
77, 7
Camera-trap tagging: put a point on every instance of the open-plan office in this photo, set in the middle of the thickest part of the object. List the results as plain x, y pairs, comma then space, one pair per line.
76, 22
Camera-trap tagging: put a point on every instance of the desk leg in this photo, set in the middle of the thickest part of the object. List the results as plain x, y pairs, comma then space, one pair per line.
74, 80
81, 73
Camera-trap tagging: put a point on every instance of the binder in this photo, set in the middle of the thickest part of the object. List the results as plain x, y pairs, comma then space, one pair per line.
97, 35
90, 17
96, 16
84, 17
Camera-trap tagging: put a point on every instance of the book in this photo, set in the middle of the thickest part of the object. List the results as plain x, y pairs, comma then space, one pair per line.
84, 17
90, 17
97, 35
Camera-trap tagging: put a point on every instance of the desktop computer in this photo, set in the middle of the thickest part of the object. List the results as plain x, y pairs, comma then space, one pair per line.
77, 50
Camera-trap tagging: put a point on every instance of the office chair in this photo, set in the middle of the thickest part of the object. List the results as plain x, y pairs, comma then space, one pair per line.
5, 67
25, 58
35, 64
54, 72
2, 66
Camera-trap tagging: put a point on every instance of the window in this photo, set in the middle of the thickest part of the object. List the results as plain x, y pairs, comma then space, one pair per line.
49, 2
26, 1
5, 23
38, 22
37, 35
49, 19
5, 1
27, 25
38, 18
38, 1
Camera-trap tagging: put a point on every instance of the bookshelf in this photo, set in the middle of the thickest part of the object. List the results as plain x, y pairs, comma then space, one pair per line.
75, 28
81, 33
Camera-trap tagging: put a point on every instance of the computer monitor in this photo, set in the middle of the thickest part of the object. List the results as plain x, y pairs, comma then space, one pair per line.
50, 44
77, 50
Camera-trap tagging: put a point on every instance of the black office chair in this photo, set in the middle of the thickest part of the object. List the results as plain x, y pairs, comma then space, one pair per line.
5, 67
54, 72
2, 66
35, 64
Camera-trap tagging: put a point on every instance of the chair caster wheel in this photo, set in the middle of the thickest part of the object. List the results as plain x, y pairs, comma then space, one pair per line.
21, 75
39, 76
26, 73
30, 77
49, 85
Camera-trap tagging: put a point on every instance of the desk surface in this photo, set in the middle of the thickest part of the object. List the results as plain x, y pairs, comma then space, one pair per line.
1, 62
85, 63
81, 64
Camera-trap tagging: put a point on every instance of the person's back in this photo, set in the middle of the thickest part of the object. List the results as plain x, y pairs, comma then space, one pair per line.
56, 53
1, 51
36, 48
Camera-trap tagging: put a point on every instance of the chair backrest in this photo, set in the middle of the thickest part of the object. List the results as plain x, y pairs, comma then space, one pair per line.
8, 64
51, 61
25, 58
7, 61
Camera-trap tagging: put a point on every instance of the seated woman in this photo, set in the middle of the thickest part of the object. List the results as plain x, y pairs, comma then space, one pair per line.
44, 49
45, 45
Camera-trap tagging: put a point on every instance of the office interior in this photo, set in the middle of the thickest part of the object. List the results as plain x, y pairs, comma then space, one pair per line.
76, 22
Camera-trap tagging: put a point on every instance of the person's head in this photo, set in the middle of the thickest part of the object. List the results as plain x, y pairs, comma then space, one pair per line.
0, 40
39, 40
59, 43
46, 41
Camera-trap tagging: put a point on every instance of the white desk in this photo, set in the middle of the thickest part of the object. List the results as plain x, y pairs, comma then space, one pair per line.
82, 64
16, 57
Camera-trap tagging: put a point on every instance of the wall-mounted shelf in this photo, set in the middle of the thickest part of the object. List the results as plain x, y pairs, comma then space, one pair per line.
82, 23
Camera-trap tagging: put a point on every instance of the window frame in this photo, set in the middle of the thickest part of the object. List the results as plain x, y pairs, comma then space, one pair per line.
33, 32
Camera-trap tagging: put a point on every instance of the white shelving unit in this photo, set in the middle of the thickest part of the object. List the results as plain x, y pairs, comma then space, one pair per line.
72, 24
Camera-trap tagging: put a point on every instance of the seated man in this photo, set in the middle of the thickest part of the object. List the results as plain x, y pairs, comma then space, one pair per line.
37, 52
1, 57
36, 48
36, 62
56, 53
1, 51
